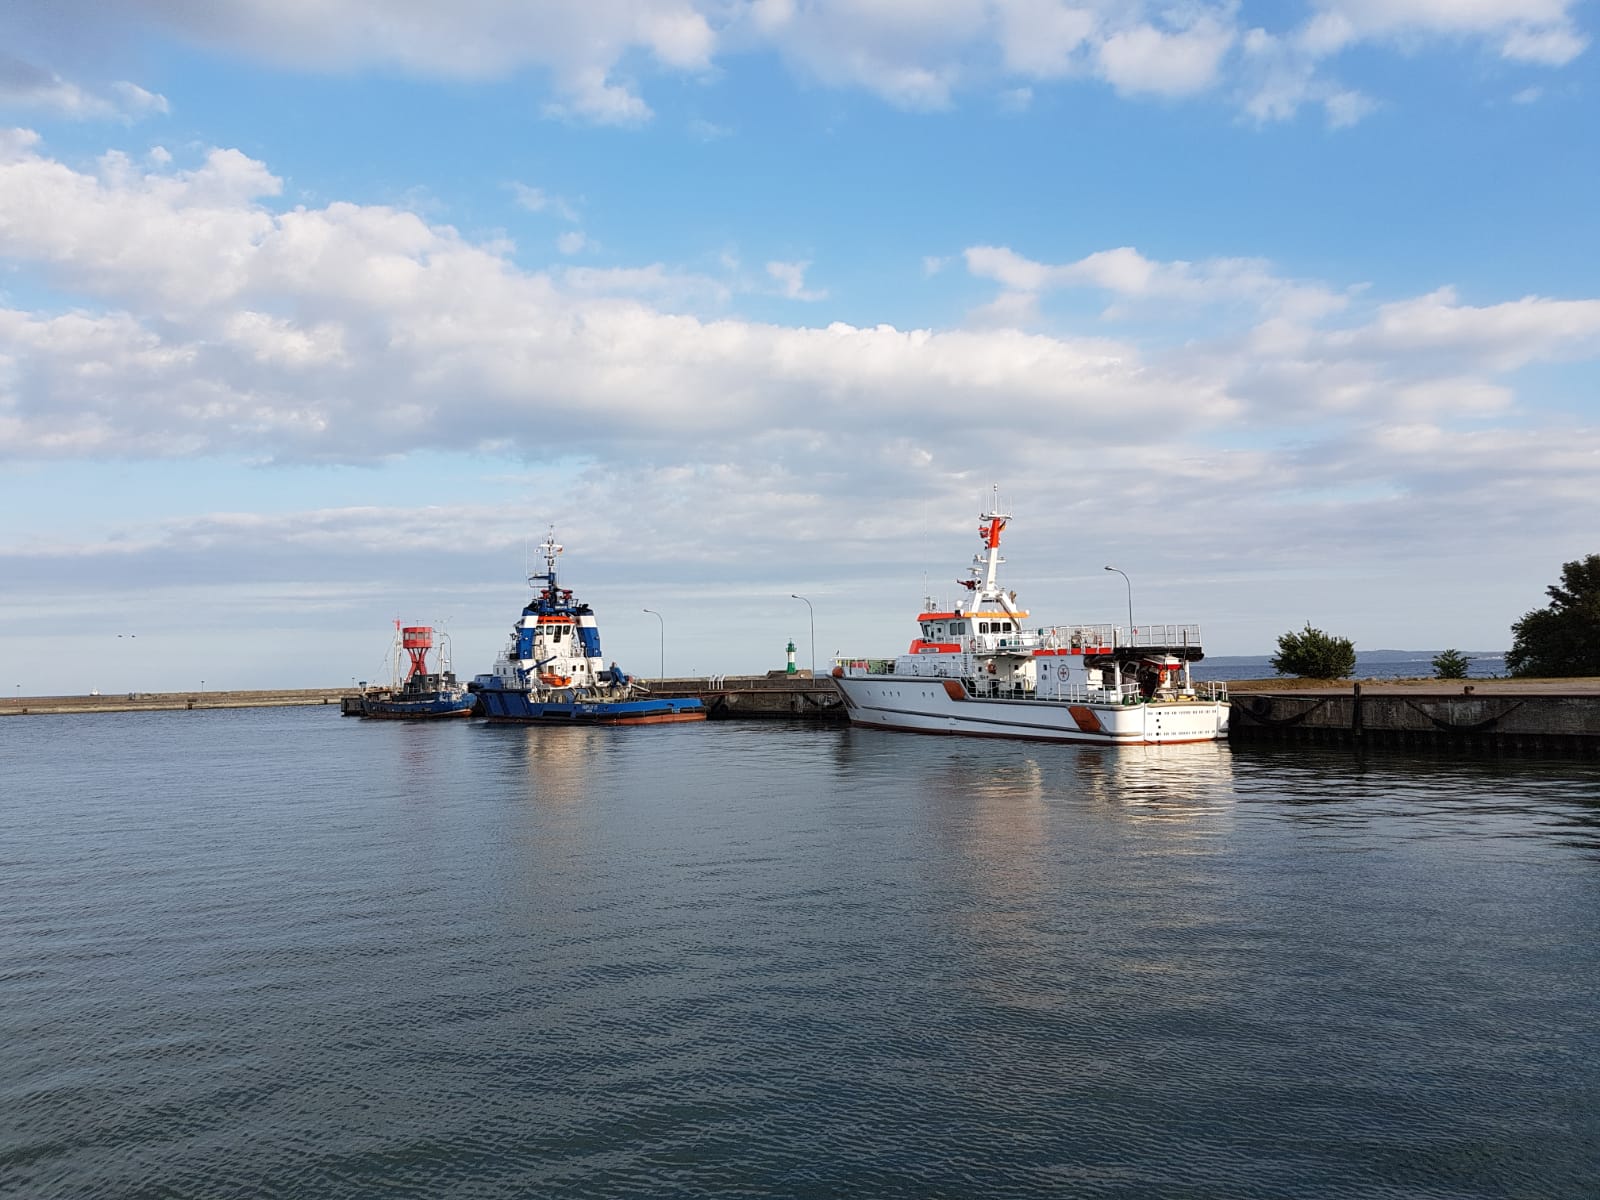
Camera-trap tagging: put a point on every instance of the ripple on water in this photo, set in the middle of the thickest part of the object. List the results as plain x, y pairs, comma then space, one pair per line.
496, 962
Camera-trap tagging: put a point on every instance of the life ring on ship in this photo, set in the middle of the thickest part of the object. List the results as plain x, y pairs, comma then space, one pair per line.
991, 668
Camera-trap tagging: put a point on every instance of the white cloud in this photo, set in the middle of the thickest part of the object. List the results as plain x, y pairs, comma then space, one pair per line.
572, 242
1551, 47
1131, 276
1534, 31
1499, 337
1015, 100
582, 45
708, 131
656, 280
590, 95
1044, 38
1180, 62
29, 86
791, 277
1279, 73
913, 54
1346, 108
537, 200
599, 56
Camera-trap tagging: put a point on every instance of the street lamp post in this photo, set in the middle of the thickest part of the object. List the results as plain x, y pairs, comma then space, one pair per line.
813, 615
663, 621
1129, 582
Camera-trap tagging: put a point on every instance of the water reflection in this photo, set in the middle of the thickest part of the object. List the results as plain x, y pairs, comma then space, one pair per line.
1413, 796
1174, 784
552, 764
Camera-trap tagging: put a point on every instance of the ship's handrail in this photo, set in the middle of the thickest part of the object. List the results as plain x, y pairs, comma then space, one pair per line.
1100, 636
1084, 638
1079, 693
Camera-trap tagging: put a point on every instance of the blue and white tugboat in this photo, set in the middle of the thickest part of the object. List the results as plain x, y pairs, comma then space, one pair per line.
552, 670
423, 694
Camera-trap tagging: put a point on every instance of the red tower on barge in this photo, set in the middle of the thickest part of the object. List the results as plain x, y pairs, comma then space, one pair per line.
416, 641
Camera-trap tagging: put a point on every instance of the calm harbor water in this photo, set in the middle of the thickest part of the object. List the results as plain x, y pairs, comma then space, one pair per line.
275, 953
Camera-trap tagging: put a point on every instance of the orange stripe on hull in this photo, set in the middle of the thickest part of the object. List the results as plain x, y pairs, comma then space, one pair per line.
653, 719
1085, 718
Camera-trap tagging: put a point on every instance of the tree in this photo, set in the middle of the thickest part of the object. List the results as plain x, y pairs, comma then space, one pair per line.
1314, 655
1563, 638
1452, 664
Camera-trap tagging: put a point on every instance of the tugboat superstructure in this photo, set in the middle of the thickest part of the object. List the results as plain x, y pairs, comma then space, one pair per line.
421, 694
976, 669
552, 668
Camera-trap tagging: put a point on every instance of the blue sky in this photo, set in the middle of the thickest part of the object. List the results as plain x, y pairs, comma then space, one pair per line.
311, 316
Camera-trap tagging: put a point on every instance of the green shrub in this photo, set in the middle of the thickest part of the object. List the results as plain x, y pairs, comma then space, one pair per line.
1451, 664
1563, 639
1313, 654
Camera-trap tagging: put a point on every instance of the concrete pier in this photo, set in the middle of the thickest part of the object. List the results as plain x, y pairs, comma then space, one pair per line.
725, 697
1496, 716
161, 701
732, 697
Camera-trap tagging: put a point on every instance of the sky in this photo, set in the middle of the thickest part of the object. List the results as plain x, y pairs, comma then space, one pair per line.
316, 316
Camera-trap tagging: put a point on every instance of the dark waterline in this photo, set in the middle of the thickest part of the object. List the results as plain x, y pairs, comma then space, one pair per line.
274, 953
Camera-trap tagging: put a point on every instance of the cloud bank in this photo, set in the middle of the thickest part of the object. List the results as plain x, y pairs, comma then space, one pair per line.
600, 57
208, 320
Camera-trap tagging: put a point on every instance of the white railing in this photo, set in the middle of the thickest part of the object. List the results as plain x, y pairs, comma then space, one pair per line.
1085, 637
1116, 636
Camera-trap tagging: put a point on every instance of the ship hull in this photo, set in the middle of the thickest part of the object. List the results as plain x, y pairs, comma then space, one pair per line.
916, 704
505, 705
433, 708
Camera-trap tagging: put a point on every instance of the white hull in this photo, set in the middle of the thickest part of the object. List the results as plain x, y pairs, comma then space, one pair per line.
920, 704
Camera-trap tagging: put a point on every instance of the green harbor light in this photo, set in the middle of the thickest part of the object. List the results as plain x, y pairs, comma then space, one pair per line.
790, 669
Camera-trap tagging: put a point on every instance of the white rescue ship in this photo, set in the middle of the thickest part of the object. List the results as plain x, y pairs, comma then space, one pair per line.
976, 669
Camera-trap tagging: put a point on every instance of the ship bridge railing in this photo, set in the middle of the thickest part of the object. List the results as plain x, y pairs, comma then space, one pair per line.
1101, 637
